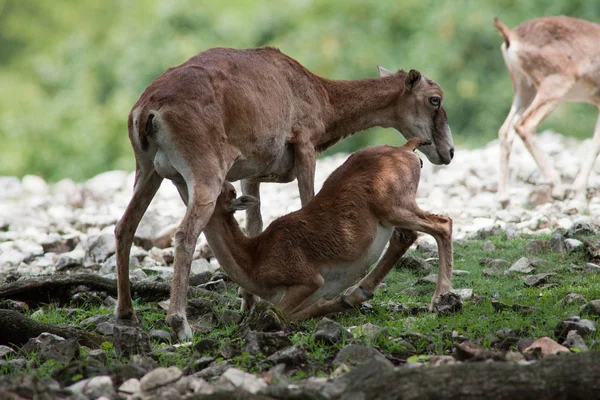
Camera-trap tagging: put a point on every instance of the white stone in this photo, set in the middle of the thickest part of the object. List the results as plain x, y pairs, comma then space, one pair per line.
32, 184
160, 377
130, 386
243, 380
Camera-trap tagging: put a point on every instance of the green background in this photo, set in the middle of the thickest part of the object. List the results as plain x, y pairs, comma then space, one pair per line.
70, 71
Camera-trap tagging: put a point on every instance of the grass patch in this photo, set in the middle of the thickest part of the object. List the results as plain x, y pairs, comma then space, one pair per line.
429, 333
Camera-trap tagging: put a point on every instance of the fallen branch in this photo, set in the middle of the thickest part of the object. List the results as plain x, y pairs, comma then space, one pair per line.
17, 329
571, 376
58, 288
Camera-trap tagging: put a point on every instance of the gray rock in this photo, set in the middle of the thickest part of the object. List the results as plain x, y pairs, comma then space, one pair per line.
98, 249
266, 343
93, 322
199, 306
534, 247
580, 228
591, 268
68, 260
200, 279
19, 251
571, 298
164, 272
129, 340
198, 364
488, 246
213, 370
160, 335
372, 333
448, 303
427, 249
263, 316
575, 323
574, 340
230, 317
414, 264
557, 243
201, 266
354, 354
244, 381
522, 266
497, 263
329, 332
5, 350
538, 279
292, 356
592, 308
106, 328
499, 306
81, 299
207, 345
52, 347
98, 355
98, 386
160, 377
130, 386
109, 266
218, 285
431, 278
573, 245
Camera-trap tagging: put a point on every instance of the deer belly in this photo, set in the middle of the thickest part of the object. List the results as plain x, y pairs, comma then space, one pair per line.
339, 277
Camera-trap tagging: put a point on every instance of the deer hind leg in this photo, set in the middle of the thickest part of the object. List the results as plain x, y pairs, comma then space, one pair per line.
524, 94
202, 197
147, 182
550, 94
400, 241
254, 226
411, 217
580, 183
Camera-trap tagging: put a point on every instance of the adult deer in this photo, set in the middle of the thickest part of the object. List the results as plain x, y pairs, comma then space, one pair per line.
260, 116
304, 261
550, 60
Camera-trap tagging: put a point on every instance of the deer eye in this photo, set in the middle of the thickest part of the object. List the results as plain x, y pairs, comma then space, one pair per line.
435, 101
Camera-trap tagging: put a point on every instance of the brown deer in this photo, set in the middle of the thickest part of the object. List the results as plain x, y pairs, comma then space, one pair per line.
550, 60
307, 261
260, 116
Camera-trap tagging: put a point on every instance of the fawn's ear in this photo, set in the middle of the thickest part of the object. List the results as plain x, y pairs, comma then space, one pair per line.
384, 72
243, 203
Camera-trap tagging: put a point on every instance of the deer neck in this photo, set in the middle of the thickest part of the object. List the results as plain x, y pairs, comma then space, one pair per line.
230, 246
361, 104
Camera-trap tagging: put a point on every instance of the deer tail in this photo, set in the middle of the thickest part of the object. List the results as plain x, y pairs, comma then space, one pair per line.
413, 143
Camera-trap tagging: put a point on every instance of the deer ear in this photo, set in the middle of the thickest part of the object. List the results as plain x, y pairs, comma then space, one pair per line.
412, 78
243, 203
384, 72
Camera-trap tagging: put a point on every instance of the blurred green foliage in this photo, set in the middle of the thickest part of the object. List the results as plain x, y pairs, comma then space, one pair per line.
71, 70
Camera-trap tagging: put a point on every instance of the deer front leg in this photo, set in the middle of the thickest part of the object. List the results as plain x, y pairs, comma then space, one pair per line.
146, 185
580, 183
306, 161
254, 222
199, 210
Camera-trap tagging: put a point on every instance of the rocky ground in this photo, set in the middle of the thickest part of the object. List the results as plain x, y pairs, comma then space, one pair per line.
67, 228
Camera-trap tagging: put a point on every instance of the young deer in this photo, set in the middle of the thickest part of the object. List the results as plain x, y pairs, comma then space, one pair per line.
307, 261
260, 116
550, 60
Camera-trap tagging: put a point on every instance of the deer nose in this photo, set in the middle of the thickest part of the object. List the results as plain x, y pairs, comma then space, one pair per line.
452, 153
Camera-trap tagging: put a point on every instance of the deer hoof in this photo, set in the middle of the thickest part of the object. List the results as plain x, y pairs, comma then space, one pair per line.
356, 295
180, 326
559, 192
126, 314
